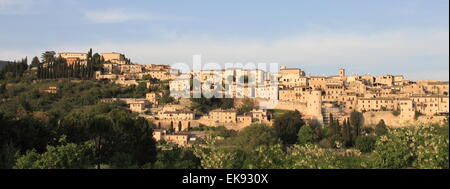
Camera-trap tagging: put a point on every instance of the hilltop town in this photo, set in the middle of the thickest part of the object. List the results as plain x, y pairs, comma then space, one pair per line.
391, 98
120, 114
224, 85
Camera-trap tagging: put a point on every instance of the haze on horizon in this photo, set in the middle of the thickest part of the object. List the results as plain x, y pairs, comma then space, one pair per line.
408, 37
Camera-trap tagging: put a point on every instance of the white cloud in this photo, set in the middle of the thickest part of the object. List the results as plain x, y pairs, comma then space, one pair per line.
8, 7
120, 15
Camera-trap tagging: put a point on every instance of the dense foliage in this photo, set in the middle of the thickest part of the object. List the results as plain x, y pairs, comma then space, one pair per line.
423, 146
64, 156
13, 71
176, 158
205, 105
56, 68
287, 126
32, 119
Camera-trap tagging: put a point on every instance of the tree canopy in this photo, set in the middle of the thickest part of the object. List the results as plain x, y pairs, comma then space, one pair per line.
287, 126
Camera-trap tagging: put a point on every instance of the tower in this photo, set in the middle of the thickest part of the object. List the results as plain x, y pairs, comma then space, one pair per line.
314, 104
342, 72
407, 111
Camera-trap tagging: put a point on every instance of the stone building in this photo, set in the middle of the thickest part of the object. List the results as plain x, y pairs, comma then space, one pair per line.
377, 104
223, 116
152, 98
431, 104
74, 57
116, 58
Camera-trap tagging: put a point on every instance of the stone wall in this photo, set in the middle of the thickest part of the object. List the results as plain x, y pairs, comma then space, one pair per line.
372, 118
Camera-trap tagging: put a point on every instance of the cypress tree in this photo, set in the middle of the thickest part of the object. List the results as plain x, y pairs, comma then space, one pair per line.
38, 72
332, 125
347, 134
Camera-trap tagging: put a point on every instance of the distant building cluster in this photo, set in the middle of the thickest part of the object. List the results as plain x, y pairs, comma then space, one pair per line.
393, 98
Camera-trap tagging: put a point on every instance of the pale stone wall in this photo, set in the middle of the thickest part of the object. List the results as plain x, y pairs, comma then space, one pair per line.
179, 139
385, 80
432, 119
377, 104
117, 58
372, 118
284, 105
80, 56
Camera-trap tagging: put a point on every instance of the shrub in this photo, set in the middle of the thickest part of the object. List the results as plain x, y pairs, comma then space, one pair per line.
381, 128
312, 157
421, 146
305, 135
66, 156
365, 143
325, 143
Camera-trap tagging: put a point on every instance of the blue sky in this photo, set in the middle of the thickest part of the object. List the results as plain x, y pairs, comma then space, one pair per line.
407, 37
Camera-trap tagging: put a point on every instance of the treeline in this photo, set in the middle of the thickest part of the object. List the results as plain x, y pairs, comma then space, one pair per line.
205, 105
104, 135
13, 69
57, 67
36, 127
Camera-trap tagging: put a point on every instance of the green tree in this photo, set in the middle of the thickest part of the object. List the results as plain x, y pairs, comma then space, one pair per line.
422, 146
247, 105
35, 62
141, 90
8, 153
333, 126
306, 135
306, 156
311, 157
133, 136
151, 79
347, 134
48, 56
253, 136
269, 157
64, 156
100, 133
121, 160
216, 158
204, 105
176, 158
365, 144
287, 126
356, 122
381, 128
